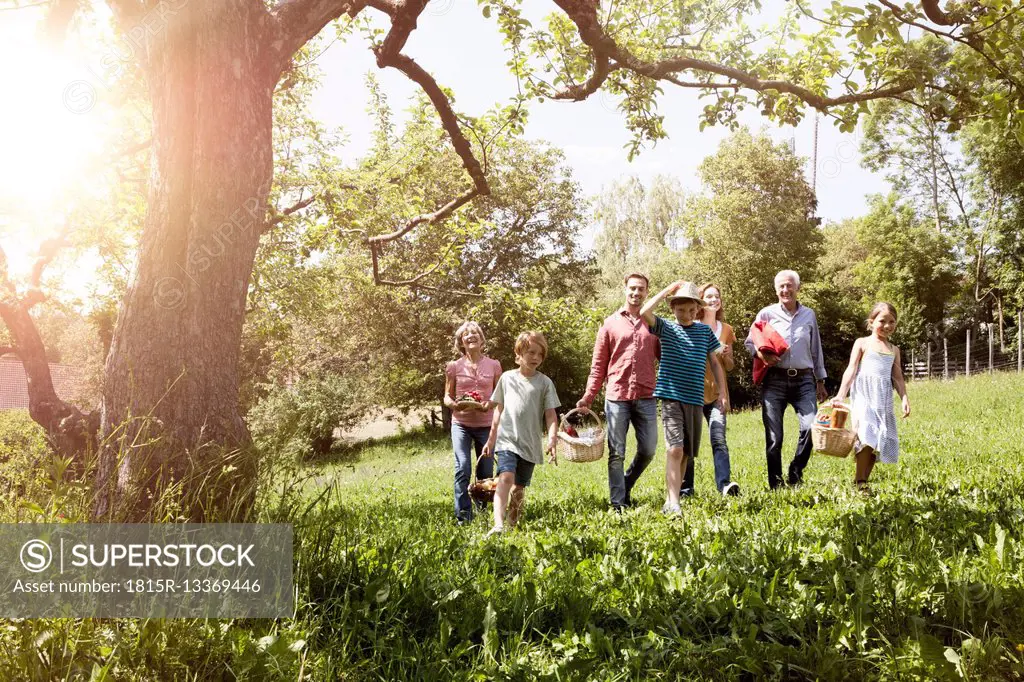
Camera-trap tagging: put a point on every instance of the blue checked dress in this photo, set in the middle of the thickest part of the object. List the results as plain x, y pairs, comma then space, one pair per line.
872, 406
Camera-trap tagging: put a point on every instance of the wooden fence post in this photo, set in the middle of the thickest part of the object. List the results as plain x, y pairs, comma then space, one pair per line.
967, 367
991, 345
913, 363
928, 365
945, 358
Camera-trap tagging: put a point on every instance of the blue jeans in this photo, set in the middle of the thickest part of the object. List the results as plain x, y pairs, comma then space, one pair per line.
464, 438
777, 391
643, 415
719, 450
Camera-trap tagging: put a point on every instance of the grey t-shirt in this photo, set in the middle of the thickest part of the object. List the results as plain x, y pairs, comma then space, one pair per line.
524, 400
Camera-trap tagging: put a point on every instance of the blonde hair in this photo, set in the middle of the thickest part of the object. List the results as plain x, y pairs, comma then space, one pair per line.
468, 326
881, 307
720, 313
524, 340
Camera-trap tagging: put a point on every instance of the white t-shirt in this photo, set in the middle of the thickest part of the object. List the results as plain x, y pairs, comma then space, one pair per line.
524, 400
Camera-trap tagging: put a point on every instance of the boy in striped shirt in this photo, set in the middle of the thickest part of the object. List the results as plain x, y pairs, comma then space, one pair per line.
687, 346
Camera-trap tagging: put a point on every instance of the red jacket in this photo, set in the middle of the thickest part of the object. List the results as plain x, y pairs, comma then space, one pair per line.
766, 340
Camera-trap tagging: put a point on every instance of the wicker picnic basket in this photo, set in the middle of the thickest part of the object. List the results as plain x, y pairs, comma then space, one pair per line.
589, 448
829, 440
482, 489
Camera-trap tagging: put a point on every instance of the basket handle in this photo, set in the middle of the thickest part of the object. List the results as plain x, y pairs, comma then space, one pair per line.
581, 410
472, 474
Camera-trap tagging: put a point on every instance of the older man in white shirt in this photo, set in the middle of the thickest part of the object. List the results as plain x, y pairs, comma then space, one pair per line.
796, 378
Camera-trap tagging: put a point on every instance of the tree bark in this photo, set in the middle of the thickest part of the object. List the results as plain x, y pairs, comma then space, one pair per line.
70, 431
170, 391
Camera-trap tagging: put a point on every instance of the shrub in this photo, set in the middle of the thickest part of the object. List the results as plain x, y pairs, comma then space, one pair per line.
298, 421
22, 446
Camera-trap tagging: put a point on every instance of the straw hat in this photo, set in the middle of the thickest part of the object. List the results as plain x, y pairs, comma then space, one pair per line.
688, 292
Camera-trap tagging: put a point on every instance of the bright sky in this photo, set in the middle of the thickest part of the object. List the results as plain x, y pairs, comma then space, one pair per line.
49, 128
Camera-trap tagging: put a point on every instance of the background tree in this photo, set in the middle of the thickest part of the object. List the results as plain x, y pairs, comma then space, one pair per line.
908, 264
921, 159
994, 151
317, 311
893, 254
754, 218
640, 229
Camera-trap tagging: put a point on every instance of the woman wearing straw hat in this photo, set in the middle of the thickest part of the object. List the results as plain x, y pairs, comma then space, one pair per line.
474, 375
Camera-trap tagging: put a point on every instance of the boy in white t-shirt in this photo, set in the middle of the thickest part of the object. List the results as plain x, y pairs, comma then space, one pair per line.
525, 402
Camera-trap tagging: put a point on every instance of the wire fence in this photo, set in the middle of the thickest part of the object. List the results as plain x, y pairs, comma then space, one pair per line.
981, 349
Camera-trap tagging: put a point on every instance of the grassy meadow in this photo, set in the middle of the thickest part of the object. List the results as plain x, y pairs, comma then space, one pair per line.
922, 580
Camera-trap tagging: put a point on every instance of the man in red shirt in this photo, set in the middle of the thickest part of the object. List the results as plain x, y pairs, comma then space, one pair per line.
624, 354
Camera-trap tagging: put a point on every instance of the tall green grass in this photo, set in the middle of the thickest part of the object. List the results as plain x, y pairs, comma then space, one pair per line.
923, 580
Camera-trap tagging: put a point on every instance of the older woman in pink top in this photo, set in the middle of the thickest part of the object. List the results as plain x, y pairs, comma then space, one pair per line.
473, 372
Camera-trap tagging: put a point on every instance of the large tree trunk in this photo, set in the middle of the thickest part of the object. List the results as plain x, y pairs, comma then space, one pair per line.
170, 392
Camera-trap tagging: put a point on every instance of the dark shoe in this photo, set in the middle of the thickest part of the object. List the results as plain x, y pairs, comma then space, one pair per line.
686, 492
731, 489
463, 521
863, 488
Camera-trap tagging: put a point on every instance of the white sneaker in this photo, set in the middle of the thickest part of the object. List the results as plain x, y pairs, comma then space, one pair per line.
732, 489
496, 530
671, 509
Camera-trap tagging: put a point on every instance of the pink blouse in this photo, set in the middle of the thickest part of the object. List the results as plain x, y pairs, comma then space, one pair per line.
481, 379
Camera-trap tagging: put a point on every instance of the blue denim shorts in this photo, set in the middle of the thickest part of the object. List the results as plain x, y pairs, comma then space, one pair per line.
509, 461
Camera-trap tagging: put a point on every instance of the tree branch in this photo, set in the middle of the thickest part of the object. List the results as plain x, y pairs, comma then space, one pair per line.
426, 218
710, 85
299, 21
48, 250
579, 92
388, 55
414, 282
583, 13
974, 45
70, 431
278, 217
936, 15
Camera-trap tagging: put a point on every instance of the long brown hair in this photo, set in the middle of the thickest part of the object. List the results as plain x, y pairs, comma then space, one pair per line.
881, 307
720, 313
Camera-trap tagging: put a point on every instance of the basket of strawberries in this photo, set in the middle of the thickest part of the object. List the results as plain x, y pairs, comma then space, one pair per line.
482, 489
470, 400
